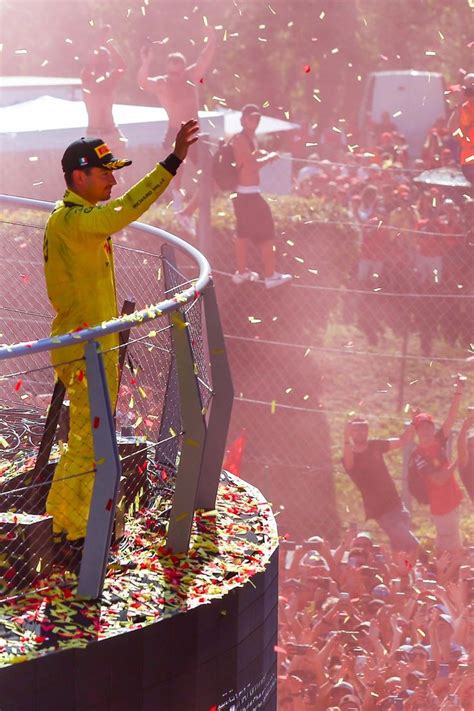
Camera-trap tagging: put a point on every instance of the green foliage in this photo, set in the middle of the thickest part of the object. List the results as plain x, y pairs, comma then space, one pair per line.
328, 250
262, 55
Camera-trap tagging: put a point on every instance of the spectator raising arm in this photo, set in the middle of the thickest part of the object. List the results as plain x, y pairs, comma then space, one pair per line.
203, 62
462, 440
454, 407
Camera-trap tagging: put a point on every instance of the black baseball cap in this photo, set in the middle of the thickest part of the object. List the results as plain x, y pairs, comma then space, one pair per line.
91, 153
250, 109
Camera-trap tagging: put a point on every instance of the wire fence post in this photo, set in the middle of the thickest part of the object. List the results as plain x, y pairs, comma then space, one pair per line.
106, 480
194, 437
403, 365
407, 450
221, 403
205, 186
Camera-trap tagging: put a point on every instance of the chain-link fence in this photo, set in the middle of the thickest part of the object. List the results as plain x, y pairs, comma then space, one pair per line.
65, 424
376, 321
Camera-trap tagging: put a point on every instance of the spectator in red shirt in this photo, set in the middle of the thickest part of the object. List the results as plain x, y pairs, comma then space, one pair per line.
430, 469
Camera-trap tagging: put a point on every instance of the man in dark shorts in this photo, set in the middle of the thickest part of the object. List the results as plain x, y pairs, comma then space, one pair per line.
253, 215
177, 92
364, 463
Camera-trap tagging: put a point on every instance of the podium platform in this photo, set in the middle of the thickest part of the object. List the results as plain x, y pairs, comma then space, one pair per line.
194, 632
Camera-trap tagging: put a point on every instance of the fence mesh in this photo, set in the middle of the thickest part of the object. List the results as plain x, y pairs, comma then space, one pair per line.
336, 340
350, 334
147, 407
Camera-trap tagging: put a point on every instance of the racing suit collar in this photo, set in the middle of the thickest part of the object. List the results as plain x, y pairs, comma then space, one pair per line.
71, 196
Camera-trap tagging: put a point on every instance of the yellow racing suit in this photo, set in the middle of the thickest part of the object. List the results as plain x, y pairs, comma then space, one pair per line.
80, 280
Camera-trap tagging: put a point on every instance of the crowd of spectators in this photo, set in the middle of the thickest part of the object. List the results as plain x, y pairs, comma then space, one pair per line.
363, 628
406, 227
413, 239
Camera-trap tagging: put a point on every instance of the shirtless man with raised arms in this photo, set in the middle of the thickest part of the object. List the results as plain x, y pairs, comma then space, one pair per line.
177, 91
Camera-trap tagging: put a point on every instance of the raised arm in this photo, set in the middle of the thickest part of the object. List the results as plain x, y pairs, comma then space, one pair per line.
146, 82
402, 440
117, 214
203, 62
119, 64
454, 407
462, 440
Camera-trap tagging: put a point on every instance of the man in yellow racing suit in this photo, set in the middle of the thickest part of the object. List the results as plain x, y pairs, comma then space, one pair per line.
80, 280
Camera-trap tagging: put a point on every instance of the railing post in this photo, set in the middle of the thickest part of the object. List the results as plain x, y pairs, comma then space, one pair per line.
205, 184
167, 453
221, 403
194, 436
106, 480
407, 450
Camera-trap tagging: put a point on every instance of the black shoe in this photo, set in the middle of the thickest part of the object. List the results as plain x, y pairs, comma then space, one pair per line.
59, 548
74, 554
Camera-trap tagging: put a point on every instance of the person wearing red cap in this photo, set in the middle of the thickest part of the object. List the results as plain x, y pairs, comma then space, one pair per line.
80, 280
431, 476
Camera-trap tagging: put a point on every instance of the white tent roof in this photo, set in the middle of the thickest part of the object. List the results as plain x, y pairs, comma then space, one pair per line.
48, 113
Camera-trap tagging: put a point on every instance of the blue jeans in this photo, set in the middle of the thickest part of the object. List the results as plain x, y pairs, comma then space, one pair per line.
396, 524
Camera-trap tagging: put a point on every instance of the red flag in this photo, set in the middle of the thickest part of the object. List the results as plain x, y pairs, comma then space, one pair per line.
233, 455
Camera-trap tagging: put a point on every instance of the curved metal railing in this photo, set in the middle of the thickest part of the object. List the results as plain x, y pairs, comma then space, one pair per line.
196, 345
123, 323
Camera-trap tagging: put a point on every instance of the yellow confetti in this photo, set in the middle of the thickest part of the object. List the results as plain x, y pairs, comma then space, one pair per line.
273, 407
182, 516
192, 442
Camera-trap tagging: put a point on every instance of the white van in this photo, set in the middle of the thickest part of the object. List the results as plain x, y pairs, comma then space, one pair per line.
414, 100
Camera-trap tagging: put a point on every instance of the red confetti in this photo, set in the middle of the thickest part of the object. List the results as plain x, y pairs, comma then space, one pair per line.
96, 422
80, 376
18, 385
408, 564
108, 505
201, 80
25, 278
307, 69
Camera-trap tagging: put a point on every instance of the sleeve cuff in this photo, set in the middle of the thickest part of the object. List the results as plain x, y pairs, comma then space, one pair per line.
171, 163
